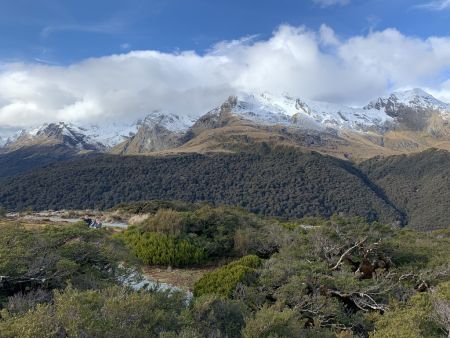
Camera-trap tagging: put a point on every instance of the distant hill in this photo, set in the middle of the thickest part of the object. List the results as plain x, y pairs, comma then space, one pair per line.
280, 182
418, 184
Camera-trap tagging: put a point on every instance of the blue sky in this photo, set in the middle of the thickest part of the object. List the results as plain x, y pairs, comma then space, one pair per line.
67, 31
84, 61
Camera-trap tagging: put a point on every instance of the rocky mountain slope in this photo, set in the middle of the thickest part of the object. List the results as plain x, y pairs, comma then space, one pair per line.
402, 122
156, 132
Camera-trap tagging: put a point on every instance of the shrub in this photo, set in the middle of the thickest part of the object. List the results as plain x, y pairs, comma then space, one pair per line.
224, 280
160, 249
113, 312
165, 221
411, 320
215, 317
269, 322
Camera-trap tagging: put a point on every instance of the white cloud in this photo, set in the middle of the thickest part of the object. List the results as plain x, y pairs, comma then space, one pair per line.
436, 5
329, 3
125, 46
327, 36
305, 63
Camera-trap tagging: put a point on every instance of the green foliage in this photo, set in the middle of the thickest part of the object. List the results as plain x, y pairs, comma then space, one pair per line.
59, 255
411, 320
300, 276
320, 278
217, 317
224, 280
269, 322
418, 184
113, 312
165, 221
176, 238
283, 182
151, 207
443, 291
160, 249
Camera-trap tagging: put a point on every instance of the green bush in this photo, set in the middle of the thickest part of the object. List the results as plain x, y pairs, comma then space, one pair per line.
191, 237
160, 249
412, 320
59, 255
165, 221
224, 280
269, 322
113, 312
216, 317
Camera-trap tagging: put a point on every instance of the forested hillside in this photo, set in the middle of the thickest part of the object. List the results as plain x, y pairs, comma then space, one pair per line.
29, 158
409, 189
281, 182
418, 184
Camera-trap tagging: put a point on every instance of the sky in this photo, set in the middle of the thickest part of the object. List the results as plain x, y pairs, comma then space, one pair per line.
87, 61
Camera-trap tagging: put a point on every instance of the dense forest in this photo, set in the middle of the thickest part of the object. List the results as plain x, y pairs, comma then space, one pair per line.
341, 277
408, 189
29, 158
281, 182
419, 185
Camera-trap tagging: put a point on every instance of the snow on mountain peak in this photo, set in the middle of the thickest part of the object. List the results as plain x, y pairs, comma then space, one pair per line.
414, 98
264, 108
171, 122
286, 110
98, 136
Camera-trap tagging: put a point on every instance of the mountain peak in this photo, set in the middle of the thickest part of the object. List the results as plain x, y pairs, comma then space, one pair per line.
415, 98
172, 122
286, 110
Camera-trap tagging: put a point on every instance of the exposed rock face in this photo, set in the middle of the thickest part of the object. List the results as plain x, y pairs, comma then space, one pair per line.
216, 118
149, 139
156, 132
401, 122
55, 133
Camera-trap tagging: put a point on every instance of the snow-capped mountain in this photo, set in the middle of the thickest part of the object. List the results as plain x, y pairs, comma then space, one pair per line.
73, 136
8, 135
93, 137
157, 131
171, 122
413, 110
415, 99
307, 114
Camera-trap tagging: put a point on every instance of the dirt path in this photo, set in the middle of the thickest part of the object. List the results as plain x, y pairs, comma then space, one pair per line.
181, 278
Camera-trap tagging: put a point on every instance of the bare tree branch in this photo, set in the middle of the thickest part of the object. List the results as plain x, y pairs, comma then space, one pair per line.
357, 244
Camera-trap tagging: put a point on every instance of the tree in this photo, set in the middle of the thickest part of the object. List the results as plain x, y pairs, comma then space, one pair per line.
3, 212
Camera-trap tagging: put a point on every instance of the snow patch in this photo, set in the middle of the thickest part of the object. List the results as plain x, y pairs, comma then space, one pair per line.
285, 110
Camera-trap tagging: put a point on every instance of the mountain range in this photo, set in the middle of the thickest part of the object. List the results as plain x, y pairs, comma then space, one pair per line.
274, 155
403, 122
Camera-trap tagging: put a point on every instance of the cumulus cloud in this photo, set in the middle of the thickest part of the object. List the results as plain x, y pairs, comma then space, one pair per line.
329, 3
302, 62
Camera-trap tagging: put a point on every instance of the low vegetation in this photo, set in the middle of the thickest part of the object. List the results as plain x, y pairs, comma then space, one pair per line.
189, 238
224, 280
337, 277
